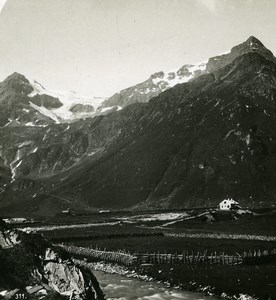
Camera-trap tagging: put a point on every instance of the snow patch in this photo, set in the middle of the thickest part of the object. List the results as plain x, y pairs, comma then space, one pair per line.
172, 78
68, 126
13, 170
44, 111
68, 99
31, 124
34, 151
105, 109
10, 120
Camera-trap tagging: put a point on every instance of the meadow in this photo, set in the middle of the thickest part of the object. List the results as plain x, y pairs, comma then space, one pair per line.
211, 232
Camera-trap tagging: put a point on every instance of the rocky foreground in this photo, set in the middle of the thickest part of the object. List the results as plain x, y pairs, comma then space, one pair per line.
32, 268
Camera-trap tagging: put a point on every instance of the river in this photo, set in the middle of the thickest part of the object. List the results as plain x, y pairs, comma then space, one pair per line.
118, 287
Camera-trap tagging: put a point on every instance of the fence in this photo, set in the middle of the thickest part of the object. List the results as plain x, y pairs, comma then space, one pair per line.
258, 256
188, 258
122, 257
220, 236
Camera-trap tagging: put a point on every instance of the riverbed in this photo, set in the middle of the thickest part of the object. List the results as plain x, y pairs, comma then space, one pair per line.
118, 287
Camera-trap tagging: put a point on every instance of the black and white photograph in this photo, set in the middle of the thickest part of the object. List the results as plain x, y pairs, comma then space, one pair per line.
137, 149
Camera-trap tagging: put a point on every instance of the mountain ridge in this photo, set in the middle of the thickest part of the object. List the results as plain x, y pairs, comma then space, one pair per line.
192, 145
161, 81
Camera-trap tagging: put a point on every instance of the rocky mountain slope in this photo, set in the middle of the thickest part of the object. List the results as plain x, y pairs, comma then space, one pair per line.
33, 268
161, 81
28, 103
32, 120
193, 145
154, 85
72, 105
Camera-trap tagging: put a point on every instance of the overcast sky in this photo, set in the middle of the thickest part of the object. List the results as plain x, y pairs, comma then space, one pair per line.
98, 47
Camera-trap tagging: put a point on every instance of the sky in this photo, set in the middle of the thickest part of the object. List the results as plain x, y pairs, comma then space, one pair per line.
99, 47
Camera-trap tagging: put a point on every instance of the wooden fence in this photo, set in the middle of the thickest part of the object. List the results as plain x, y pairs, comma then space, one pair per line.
189, 258
258, 256
124, 258
120, 257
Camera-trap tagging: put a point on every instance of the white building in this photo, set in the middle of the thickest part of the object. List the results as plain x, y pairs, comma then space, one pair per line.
228, 204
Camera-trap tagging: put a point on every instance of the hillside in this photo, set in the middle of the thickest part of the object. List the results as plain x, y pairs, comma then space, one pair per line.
193, 145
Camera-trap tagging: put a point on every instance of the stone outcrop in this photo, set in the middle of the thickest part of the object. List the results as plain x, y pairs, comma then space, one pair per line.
32, 267
81, 108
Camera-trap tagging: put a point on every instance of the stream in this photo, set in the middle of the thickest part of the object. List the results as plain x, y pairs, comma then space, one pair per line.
118, 287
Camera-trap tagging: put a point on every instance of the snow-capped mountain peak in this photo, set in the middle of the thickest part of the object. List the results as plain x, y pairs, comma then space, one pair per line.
155, 84
69, 99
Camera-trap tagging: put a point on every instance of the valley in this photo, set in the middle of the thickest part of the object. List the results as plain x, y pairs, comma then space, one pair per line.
137, 150
171, 180
170, 232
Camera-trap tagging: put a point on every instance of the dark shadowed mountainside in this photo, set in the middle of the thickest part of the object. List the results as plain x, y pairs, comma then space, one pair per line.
193, 145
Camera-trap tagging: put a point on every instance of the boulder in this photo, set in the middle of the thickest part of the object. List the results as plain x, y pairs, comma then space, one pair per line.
31, 265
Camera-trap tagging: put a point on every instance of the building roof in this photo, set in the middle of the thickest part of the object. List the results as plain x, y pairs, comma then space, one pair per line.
231, 201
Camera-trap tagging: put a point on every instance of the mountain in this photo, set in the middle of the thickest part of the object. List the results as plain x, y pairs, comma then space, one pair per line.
161, 81
28, 103
73, 106
154, 85
193, 145
32, 121
15, 107
252, 44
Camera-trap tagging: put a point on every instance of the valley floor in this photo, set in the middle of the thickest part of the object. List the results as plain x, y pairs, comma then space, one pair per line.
197, 231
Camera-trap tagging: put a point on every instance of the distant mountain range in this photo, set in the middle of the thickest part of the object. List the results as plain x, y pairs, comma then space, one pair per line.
182, 139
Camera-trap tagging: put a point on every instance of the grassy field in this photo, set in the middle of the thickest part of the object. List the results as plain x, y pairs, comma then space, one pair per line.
258, 222
258, 281
262, 224
135, 233
165, 244
97, 232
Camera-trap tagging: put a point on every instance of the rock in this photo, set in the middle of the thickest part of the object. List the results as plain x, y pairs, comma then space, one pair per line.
50, 255
35, 267
8, 238
46, 101
81, 108
65, 277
